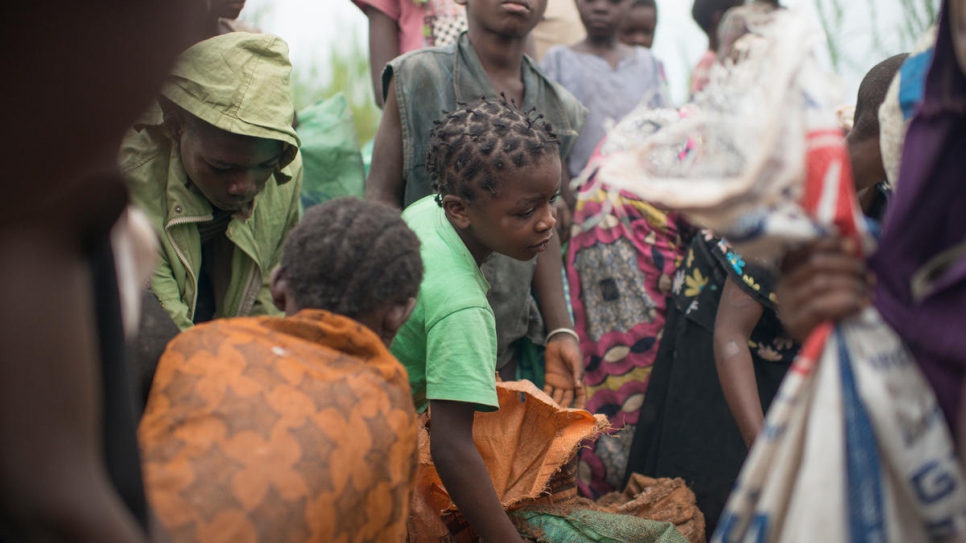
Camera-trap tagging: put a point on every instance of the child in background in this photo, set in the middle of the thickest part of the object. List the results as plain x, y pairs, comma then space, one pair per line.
698, 421
608, 77
487, 60
708, 14
296, 428
640, 25
496, 174
868, 164
560, 25
397, 27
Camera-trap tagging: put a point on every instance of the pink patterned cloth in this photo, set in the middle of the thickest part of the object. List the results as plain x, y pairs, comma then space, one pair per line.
621, 261
422, 23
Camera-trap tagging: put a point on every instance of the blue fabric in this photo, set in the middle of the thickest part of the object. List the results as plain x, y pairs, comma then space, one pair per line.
912, 82
863, 465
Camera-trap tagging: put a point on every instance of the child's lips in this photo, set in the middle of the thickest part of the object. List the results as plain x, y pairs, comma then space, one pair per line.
542, 246
516, 6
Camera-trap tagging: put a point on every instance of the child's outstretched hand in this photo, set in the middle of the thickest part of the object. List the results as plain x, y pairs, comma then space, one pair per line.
564, 378
823, 281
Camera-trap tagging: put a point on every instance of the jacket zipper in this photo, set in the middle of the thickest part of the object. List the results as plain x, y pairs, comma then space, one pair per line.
181, 257
251, 290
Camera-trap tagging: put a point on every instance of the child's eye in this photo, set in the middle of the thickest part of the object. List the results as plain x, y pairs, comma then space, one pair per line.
218, 168
528, 213
555, 197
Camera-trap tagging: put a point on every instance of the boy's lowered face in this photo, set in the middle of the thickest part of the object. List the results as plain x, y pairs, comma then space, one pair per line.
229, 169
602, 18
518, 220
506, 18
639, 26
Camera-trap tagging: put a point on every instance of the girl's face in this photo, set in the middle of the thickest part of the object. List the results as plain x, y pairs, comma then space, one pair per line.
639, 26
602, 18
518, 220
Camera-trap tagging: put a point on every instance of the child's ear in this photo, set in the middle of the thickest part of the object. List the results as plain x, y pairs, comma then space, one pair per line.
397, 316
456, 211
173, 121
278, 287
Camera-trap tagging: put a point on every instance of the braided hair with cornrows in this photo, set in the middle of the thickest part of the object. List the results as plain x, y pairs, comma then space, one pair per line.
350, 256
472, 147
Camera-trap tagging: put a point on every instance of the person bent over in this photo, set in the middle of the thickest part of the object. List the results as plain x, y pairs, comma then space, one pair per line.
217, 169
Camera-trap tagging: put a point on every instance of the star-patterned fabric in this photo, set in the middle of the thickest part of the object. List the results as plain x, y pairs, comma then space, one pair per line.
291, 429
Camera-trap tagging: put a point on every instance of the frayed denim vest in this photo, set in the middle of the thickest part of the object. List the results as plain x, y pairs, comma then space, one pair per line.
430, 81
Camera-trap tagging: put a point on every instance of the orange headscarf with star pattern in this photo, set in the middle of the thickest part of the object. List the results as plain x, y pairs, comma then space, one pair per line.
291, 429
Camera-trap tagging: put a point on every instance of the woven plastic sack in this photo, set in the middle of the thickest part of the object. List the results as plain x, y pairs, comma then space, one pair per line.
854, 447
563, 524
330, 152
735, 161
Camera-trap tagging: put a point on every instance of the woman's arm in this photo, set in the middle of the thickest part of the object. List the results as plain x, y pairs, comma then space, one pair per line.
385, 182
463, 473
383, 47
738, 314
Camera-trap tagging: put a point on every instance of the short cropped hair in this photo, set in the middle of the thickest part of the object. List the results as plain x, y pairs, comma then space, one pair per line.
703, 12
471, 147
350, 257
645, 4
872, 92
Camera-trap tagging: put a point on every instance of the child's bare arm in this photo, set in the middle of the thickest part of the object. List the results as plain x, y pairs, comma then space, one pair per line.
463, 473
564, 361
383, 47
738, 314
385, 181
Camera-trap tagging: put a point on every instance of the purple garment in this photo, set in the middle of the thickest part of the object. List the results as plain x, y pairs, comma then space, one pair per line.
927, 218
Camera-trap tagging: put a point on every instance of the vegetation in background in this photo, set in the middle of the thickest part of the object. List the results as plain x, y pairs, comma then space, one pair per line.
346, 70
918, 16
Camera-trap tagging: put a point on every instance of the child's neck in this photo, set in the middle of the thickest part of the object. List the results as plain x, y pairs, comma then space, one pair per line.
476, 249
502, 60
607, 47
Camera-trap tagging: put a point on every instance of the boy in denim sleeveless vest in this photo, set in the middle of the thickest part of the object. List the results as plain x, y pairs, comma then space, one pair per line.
487, 60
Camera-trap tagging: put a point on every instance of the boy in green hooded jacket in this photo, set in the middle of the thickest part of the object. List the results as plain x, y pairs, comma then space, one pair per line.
217, 169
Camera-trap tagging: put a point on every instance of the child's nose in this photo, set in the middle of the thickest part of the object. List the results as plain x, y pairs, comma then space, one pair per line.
548, 218
242, 184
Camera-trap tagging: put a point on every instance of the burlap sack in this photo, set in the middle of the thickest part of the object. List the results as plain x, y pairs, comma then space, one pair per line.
529, 447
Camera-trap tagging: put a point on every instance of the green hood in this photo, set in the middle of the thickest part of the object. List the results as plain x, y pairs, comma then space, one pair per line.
240, 83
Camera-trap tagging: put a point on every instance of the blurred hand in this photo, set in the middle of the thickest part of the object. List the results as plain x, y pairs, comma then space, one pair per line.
823, 281
564, 379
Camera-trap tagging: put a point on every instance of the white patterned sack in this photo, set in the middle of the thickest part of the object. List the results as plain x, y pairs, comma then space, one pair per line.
854, 449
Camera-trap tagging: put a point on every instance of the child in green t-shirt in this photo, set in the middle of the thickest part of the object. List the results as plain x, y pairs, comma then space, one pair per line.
496, 174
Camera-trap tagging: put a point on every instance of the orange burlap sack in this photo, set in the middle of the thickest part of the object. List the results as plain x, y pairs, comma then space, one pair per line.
667, 500
529, 447
266, 429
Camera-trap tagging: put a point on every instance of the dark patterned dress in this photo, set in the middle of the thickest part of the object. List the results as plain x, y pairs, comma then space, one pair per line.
685, 428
